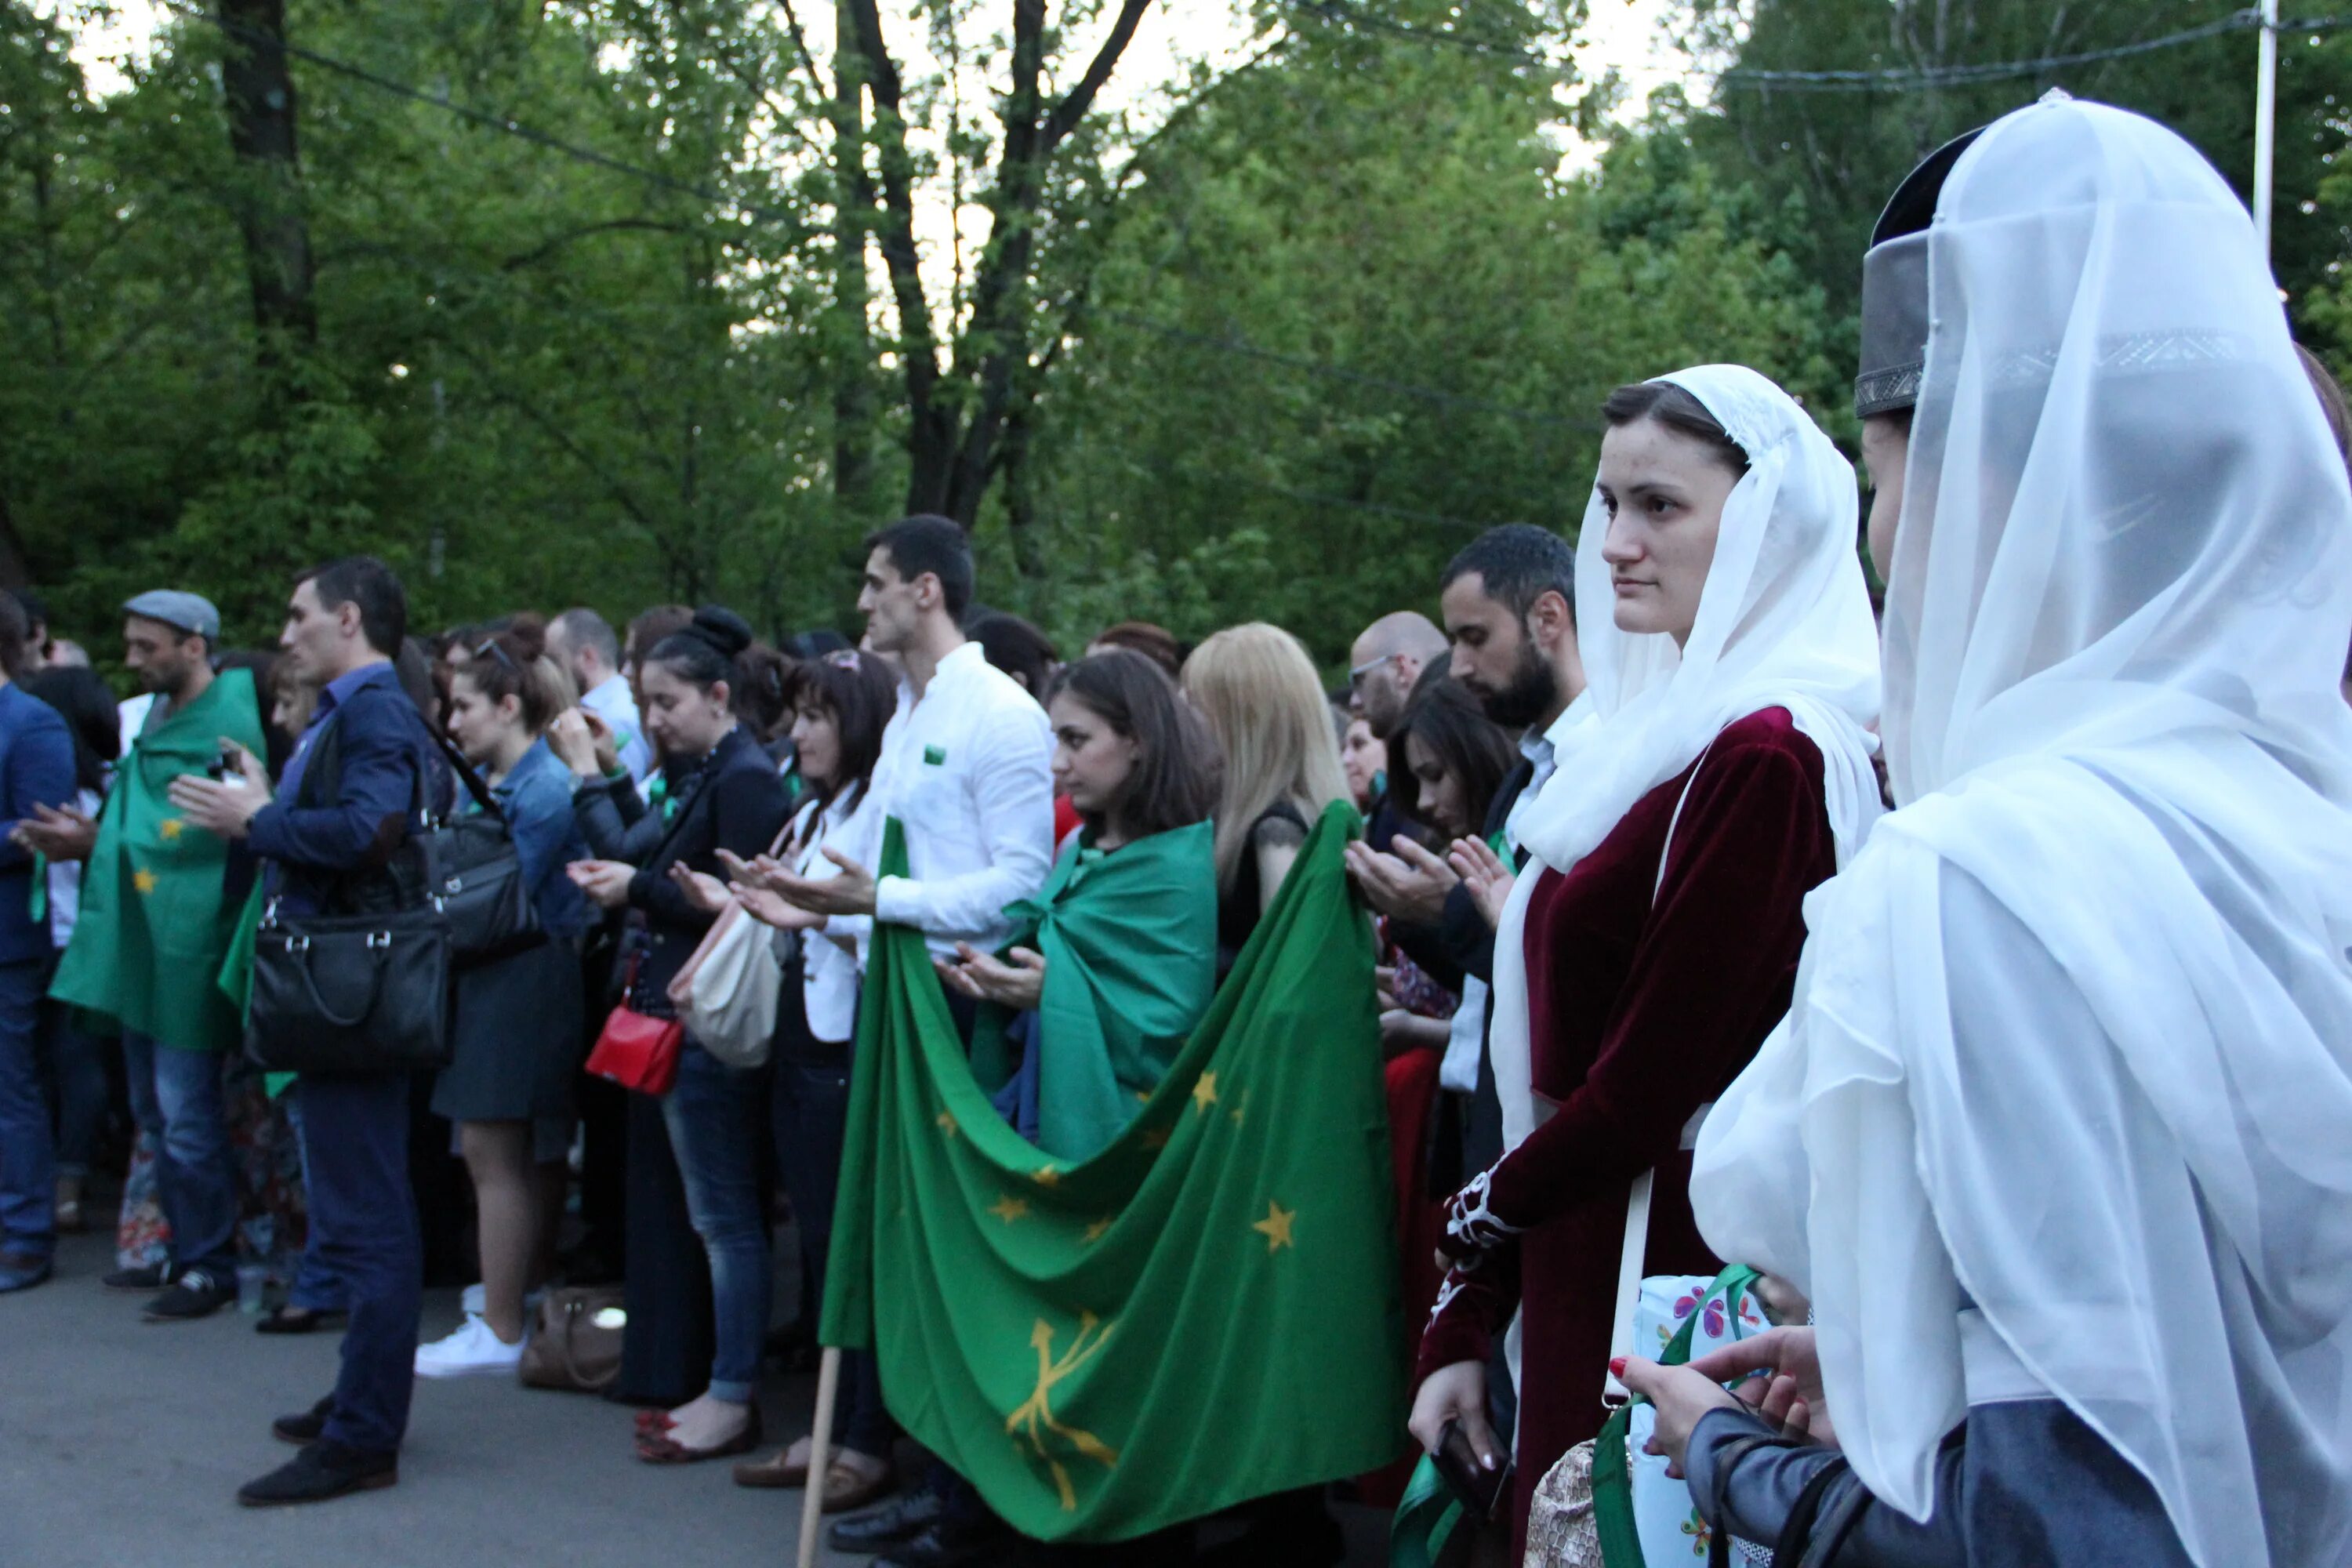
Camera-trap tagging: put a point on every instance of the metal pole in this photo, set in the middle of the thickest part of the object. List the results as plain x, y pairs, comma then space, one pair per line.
2265, 123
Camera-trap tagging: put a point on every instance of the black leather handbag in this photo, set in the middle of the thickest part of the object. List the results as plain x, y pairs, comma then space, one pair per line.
350, 993
476, 876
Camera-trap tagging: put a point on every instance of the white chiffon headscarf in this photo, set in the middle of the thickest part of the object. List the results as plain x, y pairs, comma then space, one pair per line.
2116, 615
1784, 622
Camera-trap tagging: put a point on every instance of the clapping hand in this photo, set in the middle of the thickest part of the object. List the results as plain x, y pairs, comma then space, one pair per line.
748, 882
850, 893
606, 882
1486, 874
60, 833
573, 743
1407, 884
225, 806
1018, 984
703, 890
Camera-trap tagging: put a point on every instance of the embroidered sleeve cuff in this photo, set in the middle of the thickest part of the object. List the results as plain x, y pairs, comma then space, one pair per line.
1472, 1227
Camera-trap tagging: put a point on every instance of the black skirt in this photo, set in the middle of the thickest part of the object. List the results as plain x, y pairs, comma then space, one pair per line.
517, 1031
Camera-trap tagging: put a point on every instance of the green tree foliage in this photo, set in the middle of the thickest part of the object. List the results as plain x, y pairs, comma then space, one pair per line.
622, 300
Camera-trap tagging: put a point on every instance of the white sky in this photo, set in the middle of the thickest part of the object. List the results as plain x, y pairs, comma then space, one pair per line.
1626, 34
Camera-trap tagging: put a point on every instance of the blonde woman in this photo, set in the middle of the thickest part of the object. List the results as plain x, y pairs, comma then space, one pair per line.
1263, 703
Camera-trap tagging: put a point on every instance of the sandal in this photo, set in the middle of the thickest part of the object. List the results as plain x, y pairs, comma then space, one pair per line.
846, 1491
782, 1471
657, 1448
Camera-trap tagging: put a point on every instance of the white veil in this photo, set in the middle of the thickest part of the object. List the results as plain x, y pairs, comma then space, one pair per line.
1784, 622
2118, 612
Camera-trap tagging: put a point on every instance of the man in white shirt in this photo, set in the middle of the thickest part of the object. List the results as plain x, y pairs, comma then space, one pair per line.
966, 763
966, 768
582, 642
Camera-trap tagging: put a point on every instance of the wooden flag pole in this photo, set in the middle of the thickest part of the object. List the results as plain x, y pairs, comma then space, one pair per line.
828, 1379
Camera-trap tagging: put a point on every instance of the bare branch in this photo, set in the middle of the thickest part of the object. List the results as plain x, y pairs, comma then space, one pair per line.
554, 243
1081, 98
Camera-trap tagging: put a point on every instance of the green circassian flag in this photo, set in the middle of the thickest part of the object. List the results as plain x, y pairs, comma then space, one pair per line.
1130, 939
155, 920
1203, 1312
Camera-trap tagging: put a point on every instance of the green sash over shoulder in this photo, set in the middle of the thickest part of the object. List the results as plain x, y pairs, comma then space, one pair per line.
1129, 938
1203, 1311
155, 923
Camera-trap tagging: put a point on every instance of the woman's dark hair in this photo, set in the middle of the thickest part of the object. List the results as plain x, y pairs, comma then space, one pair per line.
1156, 644
704, 651
1472, 747
514, 663
815, 644
861, 694
273, 678
1678, 411
759, 695
650, 628
1016, 647
16, 627
86, 702
425, 683
1175, 780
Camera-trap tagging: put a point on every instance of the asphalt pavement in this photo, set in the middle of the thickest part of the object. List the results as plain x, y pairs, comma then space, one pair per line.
123, 1444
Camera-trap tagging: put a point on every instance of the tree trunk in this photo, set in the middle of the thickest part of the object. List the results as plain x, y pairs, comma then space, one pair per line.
259, 93
853, 390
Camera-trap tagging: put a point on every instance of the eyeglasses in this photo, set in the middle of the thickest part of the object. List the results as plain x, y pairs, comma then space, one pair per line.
1356, 676
489, 647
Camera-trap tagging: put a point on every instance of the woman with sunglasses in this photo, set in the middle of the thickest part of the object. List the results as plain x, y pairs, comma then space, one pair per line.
516, 1035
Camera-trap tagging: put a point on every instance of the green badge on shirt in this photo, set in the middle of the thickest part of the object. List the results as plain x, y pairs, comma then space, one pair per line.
935, 756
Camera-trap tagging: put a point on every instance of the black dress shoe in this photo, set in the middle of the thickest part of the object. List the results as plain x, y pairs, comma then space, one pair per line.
939, 1547
196, 1293
901, 1521
307, 1427
321, 1471
294, 1320
146, 1276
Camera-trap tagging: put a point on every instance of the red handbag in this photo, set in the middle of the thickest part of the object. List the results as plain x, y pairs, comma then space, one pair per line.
637, 1051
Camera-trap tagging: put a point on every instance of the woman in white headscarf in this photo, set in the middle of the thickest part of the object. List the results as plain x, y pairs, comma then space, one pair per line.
2058, 1137
1722, 768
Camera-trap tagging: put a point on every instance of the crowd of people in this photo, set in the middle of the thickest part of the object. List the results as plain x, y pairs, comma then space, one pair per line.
1972, 961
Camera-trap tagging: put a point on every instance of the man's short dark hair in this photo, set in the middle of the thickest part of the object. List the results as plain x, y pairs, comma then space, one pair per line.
929, 542
364, 580
1517, 563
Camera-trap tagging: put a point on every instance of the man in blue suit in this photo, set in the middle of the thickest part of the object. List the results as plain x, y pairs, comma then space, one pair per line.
37, 768
359, 778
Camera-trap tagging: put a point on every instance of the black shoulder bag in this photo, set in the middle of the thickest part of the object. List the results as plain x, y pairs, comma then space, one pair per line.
477, 878
363, 988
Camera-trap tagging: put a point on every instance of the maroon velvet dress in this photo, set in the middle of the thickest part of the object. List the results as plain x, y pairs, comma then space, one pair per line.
1639, 1015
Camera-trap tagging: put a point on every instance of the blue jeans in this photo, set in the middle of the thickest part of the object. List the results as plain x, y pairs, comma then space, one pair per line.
714, 1114
363, 1233
29, 1170
195, 1170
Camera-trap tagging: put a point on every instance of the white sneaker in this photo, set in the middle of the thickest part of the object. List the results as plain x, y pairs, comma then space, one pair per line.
472, 1352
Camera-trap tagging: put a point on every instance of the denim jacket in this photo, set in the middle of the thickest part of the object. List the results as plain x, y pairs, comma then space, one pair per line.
536, 798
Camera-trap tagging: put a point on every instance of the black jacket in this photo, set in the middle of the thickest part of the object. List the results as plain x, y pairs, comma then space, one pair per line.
734, 801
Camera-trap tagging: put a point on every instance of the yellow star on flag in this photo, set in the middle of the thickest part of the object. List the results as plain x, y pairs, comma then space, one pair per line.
1046, 1175
947, 1123
143, 879
1204, 1093
1276, 1227
1097, 1230
1009, 1208
170, 828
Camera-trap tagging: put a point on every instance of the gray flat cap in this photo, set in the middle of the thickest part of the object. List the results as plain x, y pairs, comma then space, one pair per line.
189, 612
